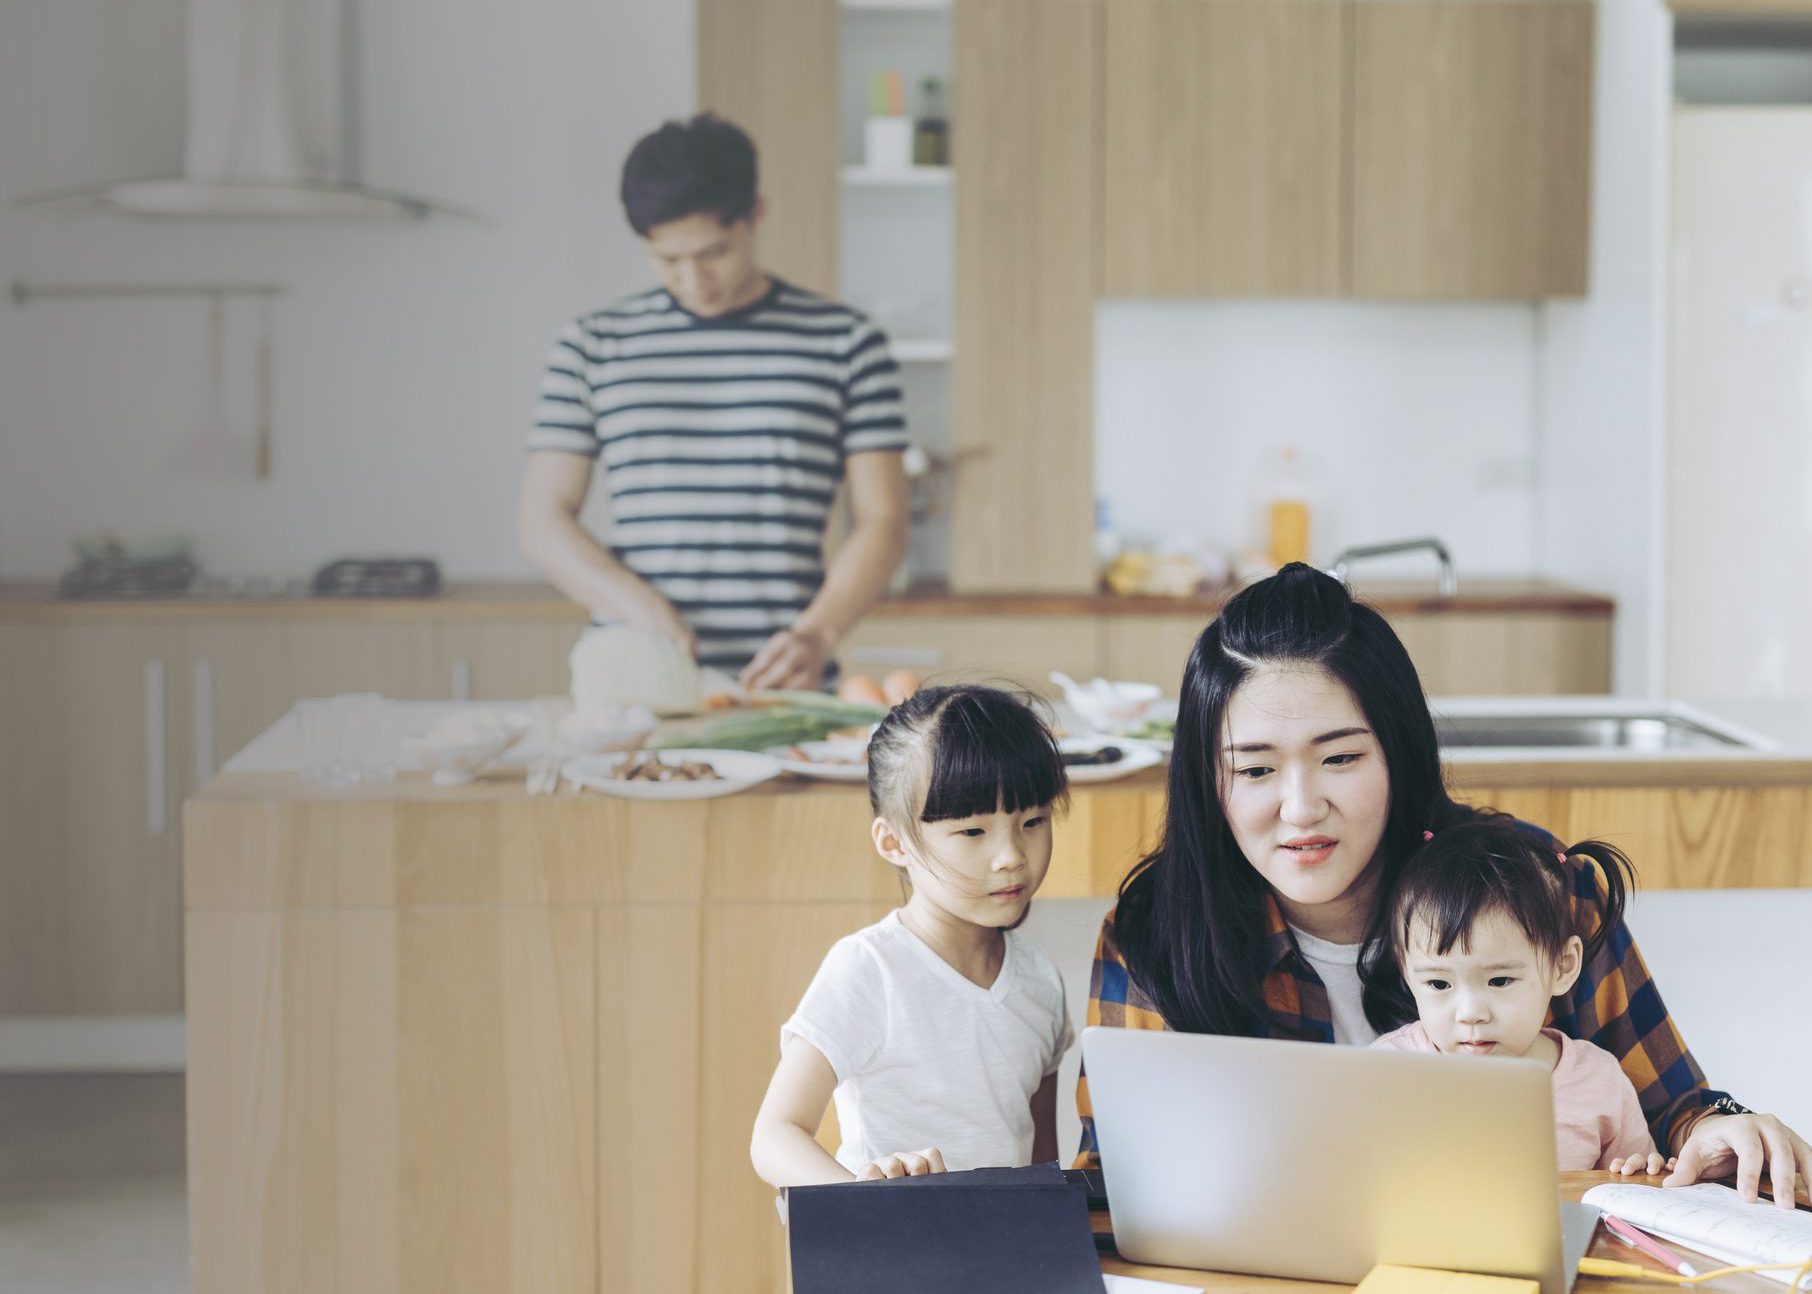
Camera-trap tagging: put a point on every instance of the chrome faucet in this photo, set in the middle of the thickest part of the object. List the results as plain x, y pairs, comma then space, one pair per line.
1450, 584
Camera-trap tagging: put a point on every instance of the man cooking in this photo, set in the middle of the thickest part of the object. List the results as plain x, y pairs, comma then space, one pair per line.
724, 406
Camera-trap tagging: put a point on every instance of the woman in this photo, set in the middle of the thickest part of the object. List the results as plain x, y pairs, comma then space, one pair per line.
1305, 770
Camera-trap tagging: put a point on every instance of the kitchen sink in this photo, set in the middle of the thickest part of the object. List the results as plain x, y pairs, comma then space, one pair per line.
1598, 727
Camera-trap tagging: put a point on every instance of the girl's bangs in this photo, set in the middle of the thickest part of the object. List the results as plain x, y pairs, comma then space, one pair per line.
986, 763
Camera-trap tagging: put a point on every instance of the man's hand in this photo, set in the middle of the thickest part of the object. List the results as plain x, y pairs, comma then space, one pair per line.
660, 616
792, 658
1747, 1143
905, 1164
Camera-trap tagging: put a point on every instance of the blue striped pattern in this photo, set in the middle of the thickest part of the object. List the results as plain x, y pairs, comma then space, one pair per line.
722, 442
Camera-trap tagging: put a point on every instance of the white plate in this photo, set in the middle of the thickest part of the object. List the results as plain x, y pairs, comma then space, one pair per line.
818, 751
1133, 758
1165, 709
737, 770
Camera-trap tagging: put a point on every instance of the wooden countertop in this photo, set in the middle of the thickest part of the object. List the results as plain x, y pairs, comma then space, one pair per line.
27, 601
1572, 1186
493, 841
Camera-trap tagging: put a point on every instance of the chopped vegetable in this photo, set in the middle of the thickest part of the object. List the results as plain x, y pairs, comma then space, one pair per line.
762, 726
861, 689
1153, 730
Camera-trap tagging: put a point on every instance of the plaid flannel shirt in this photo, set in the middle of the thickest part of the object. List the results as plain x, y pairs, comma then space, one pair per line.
1614, 1004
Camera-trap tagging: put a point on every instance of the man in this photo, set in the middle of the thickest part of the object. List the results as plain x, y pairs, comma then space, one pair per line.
724, 406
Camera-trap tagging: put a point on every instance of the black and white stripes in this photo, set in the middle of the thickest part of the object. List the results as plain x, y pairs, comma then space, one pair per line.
722, 441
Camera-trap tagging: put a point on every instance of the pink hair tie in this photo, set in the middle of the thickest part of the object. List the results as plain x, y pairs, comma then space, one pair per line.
1562, 857
1428, 835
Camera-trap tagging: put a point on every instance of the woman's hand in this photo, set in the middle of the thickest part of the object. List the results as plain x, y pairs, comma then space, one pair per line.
907, 1163
1637, 1165
1747, 1143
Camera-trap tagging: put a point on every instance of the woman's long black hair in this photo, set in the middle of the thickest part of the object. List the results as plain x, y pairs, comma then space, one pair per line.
1191, 916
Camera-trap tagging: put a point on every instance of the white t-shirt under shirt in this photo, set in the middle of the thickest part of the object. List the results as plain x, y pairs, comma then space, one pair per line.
1338, 967
925, 1057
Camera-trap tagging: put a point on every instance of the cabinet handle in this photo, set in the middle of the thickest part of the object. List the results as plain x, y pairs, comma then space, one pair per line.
462, 679
204, 722
154, 747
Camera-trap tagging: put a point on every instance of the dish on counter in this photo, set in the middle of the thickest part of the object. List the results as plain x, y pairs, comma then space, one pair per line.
1102, 759
1155, 731
627, 774
1106, 705
463, 744
839, 760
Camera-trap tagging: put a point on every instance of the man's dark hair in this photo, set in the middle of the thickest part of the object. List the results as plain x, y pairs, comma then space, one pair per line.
687, 168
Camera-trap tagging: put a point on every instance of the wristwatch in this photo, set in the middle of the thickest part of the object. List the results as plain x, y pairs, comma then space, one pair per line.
1724, 1105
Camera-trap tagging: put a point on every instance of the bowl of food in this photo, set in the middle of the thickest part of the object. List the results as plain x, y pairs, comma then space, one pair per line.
1104, 705
460, 746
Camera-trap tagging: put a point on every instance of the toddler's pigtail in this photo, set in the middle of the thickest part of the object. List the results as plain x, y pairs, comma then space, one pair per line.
1616, 880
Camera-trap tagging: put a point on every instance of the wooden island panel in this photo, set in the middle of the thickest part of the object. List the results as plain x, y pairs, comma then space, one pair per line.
468, 1040
393, 1100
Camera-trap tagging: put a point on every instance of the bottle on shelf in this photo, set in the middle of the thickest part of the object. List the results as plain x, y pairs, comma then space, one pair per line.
931, 133
1287, 517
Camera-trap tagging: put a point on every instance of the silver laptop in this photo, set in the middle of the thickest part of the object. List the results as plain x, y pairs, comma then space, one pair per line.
1318, 1162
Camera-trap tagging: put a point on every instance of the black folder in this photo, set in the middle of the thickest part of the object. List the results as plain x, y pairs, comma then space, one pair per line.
990, 1230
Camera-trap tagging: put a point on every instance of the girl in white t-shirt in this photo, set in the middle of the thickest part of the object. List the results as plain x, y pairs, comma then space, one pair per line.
938, 1030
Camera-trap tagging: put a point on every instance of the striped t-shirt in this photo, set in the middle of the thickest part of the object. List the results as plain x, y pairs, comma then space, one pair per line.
722, 441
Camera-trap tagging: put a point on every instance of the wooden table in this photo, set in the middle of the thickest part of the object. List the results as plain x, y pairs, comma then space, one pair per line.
1572, 1186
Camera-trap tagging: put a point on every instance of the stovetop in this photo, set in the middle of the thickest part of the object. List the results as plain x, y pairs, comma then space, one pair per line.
127, 580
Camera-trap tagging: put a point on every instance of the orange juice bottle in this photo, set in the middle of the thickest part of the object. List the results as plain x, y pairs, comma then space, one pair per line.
1288, 515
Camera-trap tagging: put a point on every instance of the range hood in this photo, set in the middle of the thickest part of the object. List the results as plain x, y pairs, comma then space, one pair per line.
266, 129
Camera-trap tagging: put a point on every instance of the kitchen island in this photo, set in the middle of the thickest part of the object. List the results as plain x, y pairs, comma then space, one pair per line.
467, 1039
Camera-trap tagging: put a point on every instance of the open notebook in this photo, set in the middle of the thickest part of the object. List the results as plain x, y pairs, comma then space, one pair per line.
1711, 1219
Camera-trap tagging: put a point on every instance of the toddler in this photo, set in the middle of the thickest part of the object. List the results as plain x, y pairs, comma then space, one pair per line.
1482, 929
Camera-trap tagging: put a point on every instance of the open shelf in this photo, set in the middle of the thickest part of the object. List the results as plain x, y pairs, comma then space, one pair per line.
928, 176
923, 350
896, 6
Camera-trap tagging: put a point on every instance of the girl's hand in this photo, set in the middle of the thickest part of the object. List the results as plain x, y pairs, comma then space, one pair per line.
1745, 1144
905, 1164
1637, 1165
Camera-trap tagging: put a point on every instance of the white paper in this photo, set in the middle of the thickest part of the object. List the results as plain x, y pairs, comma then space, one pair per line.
1713, 1220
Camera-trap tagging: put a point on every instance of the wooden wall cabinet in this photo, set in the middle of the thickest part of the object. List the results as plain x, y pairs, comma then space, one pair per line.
1024, 136
1472, 130
770, 66
1224, 158
1369, 148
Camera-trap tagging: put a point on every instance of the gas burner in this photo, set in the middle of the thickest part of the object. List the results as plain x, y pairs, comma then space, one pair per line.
378, 577
126, 578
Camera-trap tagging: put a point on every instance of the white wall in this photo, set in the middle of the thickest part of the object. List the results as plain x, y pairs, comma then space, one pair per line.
406, 355
1602, 428
1409, 420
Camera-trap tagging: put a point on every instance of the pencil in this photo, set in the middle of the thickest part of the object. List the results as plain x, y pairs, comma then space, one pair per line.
1637, 1239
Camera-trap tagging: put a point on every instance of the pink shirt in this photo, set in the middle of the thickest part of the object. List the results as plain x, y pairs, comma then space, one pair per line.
1596, 1115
